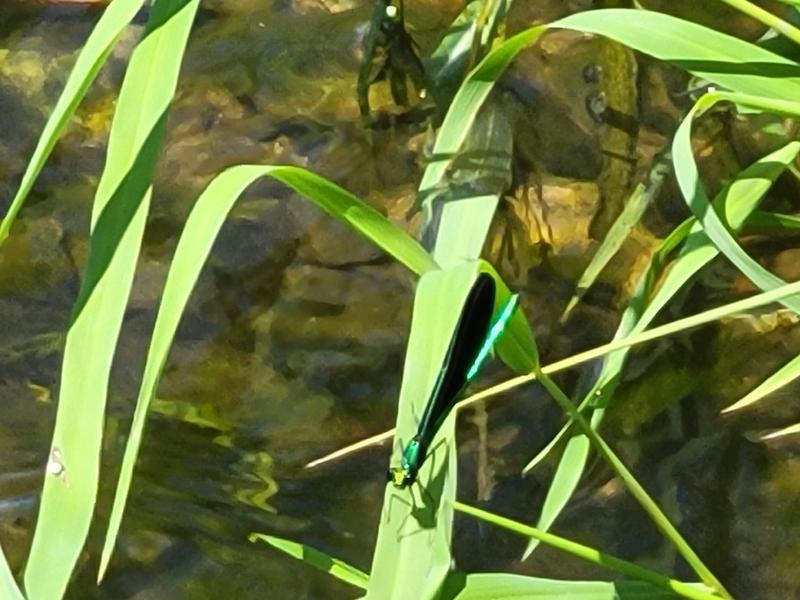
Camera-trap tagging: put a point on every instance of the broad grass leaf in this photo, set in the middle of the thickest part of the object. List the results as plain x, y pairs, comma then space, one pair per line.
194, 246
93, 55
412, 553
118, 219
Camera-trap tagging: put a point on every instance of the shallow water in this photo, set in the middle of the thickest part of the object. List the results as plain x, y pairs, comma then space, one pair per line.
276, 362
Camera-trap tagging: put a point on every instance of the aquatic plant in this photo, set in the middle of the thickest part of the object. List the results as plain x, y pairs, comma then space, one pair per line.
741, 73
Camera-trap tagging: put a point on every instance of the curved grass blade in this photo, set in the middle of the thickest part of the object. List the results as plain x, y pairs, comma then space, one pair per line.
774, 221
716, 57
200, 231
737, 200
315, 558
633, 210
466, 105
692, 188
94, 53
118, 219
767, 18
589, 554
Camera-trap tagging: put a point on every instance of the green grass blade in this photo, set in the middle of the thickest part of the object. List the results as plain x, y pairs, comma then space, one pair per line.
200, 231
767, 18
315, 558
102, 39
545, 452
515, 347
780, 378
412, 553
708, 54
791, 430
564, 483
463, 228
645, 501
592, 555
737, 201
466, 105
774, 221
8, 585
119, 216
638, 202
692, 188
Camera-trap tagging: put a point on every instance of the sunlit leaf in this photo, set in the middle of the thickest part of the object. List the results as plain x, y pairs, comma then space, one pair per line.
90, 59
670, 587
315, 558
710, 55
780, 378
118, 219
194, 246
791, 430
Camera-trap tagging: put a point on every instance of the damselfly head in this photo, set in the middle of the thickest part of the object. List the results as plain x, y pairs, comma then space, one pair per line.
400, 477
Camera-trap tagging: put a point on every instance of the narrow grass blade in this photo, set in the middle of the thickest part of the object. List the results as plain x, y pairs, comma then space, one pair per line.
102, 39
466, 105
652, 509
780, 378
638, 202
709, 316
774, 221
8, 585
544, 452
716, 57
692, 188
737, 201
119, 215
767, 18
589, 554
791, 430
194, 246
315, 558
564, 483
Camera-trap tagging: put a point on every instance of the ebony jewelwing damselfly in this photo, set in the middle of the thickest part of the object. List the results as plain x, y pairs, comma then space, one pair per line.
472, 340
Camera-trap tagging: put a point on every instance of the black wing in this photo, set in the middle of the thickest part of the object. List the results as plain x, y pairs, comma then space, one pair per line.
470, 332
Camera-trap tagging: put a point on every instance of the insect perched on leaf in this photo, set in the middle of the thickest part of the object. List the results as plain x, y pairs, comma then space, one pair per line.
473, 339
